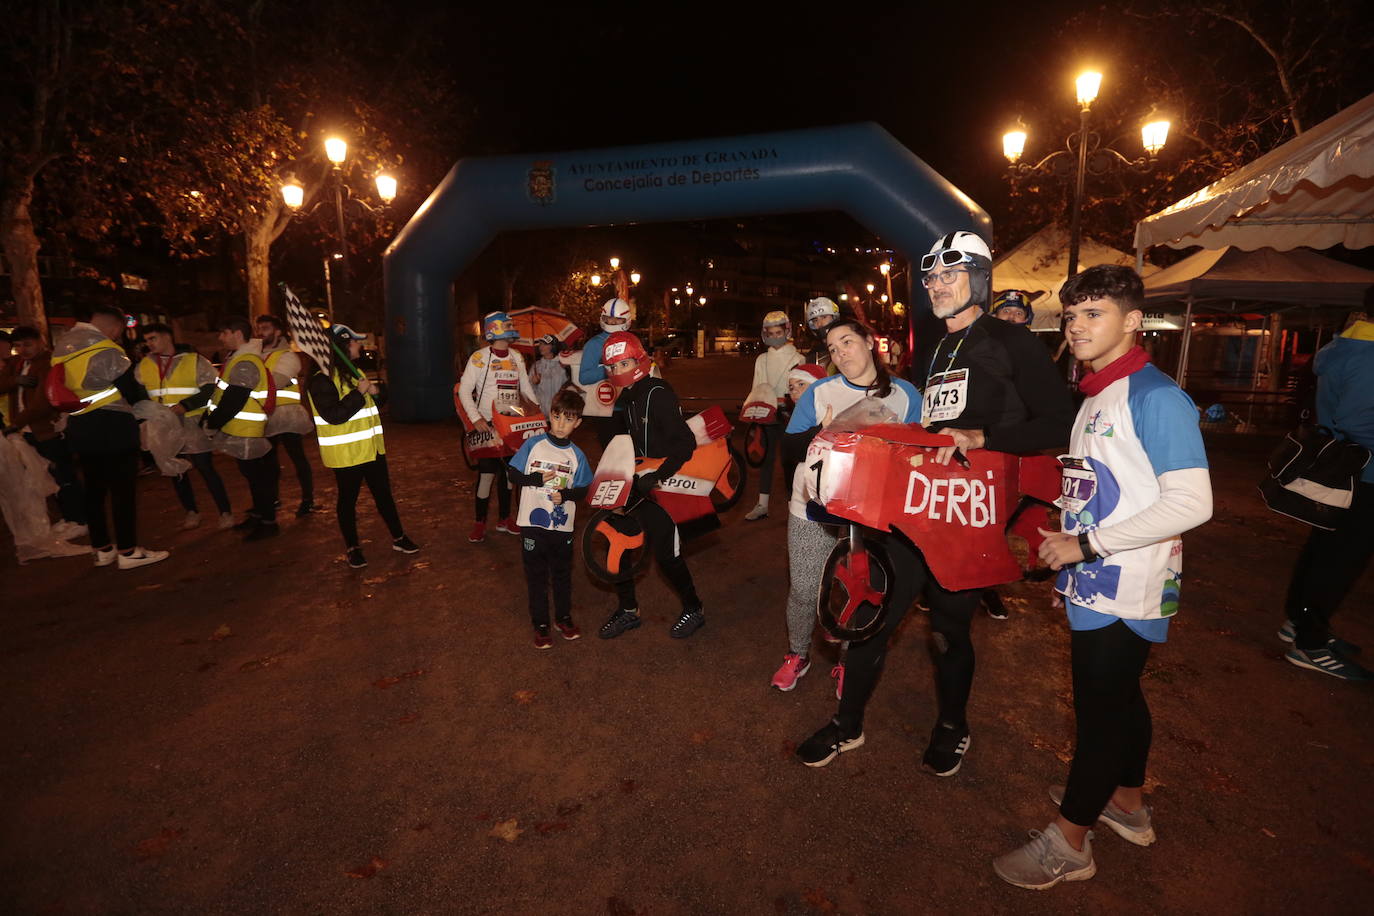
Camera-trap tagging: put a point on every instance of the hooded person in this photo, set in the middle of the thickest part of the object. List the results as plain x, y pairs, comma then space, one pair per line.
987, 384
348, 427
103, 432
494, 378
616, 315
771, 369
654, 422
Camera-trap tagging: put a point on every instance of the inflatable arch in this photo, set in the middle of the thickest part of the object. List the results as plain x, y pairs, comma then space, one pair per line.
858, 168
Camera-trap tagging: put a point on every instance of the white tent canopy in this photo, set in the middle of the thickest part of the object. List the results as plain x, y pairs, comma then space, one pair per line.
1299, 277
1040, 264
1315, 191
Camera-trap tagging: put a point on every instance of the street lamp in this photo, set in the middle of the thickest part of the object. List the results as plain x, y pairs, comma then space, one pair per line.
336, 148
293, 194
596, 279
386, 187
615, 263
1085, 149
634, 278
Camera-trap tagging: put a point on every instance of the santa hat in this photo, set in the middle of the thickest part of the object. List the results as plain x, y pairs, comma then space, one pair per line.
806, 373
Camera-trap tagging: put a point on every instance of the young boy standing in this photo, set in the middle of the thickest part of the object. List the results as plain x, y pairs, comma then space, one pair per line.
1135, 479
552, 474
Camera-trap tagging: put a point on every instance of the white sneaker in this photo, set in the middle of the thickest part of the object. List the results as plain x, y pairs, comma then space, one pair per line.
1046, 860
192, 520
141, 557
759, 511
65, 530
106, 556
226, 521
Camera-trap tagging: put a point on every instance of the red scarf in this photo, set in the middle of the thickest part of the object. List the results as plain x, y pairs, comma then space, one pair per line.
1132, 360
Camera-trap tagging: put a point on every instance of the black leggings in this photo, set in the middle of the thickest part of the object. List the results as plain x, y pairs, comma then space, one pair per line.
1330, 564
1113, 727
204, 463
295, 450
663, 538
116, 474
497, 467
772, 440
349, 482
950, 616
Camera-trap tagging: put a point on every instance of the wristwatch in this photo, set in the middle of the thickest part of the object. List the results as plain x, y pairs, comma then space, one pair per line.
1085, 545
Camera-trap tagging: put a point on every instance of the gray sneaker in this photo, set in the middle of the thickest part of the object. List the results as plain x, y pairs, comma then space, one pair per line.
1046, 860
1135, 827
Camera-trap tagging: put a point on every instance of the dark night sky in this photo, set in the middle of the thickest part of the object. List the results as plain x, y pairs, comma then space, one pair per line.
574, 75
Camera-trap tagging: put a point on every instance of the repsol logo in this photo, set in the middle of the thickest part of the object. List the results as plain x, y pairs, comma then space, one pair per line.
970, 502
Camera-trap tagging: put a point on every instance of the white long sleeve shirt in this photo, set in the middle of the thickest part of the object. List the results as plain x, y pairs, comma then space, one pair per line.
493, 379
772, 366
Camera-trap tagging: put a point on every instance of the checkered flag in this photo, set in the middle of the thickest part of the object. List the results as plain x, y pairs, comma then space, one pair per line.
306, 328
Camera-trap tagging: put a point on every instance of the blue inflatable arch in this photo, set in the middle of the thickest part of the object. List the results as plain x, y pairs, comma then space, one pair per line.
858, 168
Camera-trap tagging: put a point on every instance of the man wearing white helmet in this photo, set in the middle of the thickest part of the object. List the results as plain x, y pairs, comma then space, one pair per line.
987, 384
616, 315
821, 313
771, 368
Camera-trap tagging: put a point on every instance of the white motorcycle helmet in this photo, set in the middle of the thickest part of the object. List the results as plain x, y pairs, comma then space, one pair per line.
968, 249
819, 309
617, 315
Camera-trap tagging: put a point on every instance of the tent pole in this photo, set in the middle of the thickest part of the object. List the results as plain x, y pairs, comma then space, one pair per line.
1181, 376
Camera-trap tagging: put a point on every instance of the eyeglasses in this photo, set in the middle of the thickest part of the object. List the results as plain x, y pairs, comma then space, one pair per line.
946, 278
947, 258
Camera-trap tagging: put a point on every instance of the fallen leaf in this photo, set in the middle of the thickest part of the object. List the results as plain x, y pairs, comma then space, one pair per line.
263, 662
422, 564
506, 830
408, 718
375, 580
393, 680
368, 870
1269, 833
149, 587
524, 697
566, 810
222, 633
419, 827
155, 846
702, 737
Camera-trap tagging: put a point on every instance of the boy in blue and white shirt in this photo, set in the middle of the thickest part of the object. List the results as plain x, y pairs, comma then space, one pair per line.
552, 475
1136, 478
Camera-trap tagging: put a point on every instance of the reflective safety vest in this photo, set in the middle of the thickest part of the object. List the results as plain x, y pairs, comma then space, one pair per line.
74, 367
357, 440
289, 393
176, 385
251, 420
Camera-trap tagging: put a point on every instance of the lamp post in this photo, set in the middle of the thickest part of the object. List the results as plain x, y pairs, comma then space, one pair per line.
293, 195
1083, 152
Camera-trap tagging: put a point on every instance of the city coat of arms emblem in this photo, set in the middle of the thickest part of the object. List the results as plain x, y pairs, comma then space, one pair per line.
541, 187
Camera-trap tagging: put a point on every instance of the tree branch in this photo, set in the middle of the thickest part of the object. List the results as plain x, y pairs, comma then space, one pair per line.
1279, 66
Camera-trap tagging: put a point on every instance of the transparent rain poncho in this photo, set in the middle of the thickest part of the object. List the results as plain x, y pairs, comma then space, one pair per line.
25, 486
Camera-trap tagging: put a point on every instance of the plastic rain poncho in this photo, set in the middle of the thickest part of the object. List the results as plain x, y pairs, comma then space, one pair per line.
25, 486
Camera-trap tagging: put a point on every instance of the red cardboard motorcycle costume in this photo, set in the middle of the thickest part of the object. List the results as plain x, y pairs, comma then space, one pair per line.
992, 389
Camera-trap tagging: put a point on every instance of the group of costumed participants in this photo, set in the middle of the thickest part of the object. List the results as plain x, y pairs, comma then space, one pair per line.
1134, 480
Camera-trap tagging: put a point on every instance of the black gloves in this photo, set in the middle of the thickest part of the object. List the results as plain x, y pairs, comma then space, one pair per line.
645, 483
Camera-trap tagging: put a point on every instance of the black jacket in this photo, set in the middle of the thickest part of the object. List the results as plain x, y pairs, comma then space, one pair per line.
1015, 394
654, 421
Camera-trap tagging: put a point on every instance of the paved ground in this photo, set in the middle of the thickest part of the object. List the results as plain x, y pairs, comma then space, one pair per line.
254, 728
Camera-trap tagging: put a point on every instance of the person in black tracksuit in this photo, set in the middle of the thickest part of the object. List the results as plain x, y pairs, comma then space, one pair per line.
654, 422
988, 384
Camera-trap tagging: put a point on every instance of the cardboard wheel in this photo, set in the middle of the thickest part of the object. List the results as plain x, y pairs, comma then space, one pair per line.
755, 446
853, 600
615, 547
730, 486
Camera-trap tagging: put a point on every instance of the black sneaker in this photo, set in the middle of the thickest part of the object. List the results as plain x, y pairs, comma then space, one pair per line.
250, 521
618, 623
687, 624
827, 744
405, 545
993, 602
946, 752
356, 560
305, 509
262, 532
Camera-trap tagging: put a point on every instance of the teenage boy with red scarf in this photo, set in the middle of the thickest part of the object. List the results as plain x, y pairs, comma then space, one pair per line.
1135, 479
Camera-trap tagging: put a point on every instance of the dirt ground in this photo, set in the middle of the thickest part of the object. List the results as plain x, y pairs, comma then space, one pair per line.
251, 728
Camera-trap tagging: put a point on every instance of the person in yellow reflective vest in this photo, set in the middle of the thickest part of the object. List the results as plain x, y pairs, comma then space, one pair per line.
349, 430
185, 382
290, 420
103, 432
243, 395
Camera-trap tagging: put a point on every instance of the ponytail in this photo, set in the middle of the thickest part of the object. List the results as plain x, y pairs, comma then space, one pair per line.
882, 383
